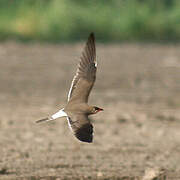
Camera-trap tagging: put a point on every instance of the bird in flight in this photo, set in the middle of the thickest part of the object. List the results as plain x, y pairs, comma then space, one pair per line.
77, 109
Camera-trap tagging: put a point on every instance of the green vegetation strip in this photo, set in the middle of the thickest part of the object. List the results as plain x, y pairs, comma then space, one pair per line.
72, 20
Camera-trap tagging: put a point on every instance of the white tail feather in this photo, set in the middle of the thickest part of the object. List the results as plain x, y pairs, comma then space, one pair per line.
59, 114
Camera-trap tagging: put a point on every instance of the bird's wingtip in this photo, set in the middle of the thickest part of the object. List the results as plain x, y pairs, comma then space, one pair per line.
91, 35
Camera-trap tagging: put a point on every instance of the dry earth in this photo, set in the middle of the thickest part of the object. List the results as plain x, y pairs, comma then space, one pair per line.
138, 85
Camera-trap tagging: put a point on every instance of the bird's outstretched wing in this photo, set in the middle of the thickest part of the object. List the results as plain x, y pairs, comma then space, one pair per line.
81, 127
85, 76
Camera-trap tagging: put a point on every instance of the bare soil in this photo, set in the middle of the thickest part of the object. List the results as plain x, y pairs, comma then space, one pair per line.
138, 134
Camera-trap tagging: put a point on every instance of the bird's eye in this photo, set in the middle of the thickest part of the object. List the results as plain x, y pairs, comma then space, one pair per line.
95, 109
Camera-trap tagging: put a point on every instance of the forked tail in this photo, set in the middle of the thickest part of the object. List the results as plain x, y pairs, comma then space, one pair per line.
44, 120
59, 114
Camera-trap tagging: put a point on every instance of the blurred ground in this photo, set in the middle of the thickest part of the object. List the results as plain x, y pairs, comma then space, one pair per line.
137, 85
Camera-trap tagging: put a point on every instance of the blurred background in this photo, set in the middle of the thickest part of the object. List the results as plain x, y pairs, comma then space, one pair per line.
68, 20
137, 85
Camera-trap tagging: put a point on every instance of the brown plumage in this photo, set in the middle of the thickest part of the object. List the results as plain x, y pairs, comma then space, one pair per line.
85, 74
77, 110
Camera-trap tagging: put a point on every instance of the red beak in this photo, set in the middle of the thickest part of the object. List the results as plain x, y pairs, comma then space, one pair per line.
100, 109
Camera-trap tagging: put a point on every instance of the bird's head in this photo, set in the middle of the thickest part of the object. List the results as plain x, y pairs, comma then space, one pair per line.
95, 110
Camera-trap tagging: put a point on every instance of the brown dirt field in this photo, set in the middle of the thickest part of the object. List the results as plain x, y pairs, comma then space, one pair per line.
138, 85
